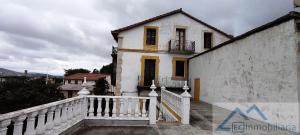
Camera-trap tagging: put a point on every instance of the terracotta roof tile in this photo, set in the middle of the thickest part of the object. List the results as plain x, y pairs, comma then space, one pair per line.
89, 76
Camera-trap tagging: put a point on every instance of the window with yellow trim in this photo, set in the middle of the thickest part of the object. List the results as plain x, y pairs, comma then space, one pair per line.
179, 68
150, 38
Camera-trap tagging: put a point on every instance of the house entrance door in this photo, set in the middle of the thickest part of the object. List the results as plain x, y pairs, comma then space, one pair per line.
196, 89
149, 72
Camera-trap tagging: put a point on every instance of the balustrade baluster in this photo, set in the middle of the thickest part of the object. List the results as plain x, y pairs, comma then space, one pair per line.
128, 107
49, 124
114, 108
99, 111
57, 118
41, 122
64, 112
82, 108
3, 126
69, 113
144, 108
76, 108
137, 110
30, 123
18, 125
121, 107
106, 107
91, 110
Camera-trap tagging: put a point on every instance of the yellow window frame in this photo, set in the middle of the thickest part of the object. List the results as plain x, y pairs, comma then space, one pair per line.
154, 47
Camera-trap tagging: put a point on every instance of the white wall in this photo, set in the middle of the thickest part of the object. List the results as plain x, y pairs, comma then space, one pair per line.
260, 68
131, 68
133, 38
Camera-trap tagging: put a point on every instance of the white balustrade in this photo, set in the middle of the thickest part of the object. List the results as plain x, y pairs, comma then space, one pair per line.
58, 110
180, 104
130, 108
55, 117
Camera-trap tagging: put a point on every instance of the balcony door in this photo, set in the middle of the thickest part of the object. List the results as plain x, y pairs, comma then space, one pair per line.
180, 38
149, 71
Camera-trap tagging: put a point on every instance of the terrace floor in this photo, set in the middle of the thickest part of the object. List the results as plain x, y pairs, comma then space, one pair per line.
201, 123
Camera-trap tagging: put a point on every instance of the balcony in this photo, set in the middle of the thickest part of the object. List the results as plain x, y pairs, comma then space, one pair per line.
186, 47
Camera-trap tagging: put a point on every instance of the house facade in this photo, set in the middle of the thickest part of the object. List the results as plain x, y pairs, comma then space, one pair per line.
158, 49
73, 83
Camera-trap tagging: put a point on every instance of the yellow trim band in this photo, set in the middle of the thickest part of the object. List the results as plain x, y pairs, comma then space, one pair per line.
171, 111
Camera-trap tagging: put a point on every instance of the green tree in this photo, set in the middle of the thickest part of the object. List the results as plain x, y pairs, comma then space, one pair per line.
101, 87
96, 71
19, 95
75, 71
107, 69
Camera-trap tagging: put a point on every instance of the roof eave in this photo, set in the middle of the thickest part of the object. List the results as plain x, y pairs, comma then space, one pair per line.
291, 15
116, 32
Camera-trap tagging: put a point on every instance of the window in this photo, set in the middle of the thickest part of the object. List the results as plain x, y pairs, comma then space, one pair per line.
180, 36
70, 94
151, 36
298, 27
179, 68
207, 39
69, 81
76, 81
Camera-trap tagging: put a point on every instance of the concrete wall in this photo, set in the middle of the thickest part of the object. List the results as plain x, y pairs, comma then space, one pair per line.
260, 68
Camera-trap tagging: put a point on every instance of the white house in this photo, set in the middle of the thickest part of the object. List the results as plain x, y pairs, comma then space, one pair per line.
73, 83
158, 48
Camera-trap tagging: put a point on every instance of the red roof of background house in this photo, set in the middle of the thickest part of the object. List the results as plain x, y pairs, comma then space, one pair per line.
89, 76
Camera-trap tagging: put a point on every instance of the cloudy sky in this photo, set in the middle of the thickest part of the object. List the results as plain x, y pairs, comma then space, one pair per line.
52, 35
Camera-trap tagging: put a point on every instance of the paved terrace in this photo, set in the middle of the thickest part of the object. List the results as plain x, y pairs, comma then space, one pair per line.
201, 123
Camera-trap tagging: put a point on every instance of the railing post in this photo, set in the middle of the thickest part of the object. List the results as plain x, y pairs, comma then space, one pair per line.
83, 94
152, 106
185, 105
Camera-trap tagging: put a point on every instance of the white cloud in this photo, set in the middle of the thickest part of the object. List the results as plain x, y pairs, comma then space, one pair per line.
52, 35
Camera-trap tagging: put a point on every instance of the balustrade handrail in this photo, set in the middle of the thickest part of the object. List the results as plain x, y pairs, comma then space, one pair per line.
132, 97
35, 108
174, 94
177, 105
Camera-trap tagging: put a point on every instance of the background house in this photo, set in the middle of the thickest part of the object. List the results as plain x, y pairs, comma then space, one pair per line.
158, 49
73, 83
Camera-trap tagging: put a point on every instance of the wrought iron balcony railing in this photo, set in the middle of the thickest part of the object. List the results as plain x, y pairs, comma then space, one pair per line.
186, 47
